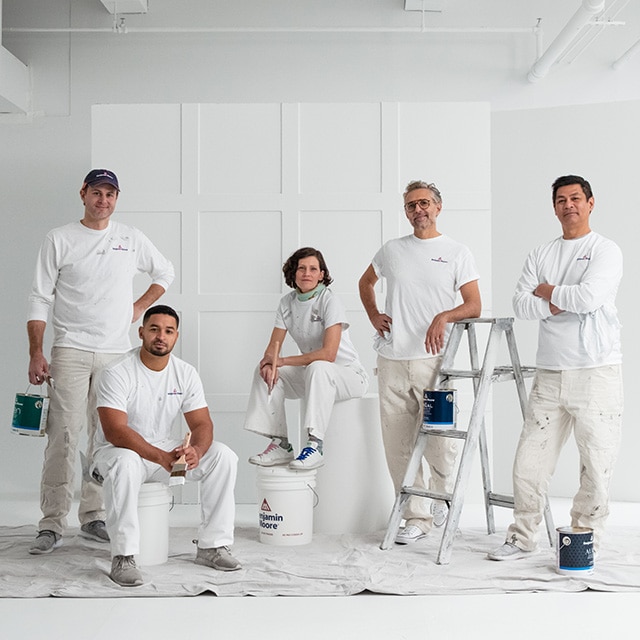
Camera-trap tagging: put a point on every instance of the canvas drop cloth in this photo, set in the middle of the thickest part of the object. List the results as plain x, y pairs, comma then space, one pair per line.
331, 565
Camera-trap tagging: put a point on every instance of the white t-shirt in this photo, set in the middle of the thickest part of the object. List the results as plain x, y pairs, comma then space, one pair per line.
586, 273
152, 400
85, 277
306, 322
423, 278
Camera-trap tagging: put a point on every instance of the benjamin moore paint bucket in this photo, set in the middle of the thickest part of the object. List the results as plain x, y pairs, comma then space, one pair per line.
154, 501
285, 505
439, 408
574, 551
30, 414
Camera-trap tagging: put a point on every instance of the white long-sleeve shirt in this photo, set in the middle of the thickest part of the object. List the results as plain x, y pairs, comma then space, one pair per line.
586, 273
84, 281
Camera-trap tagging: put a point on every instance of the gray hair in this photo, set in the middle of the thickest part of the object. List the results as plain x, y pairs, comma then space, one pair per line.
421, 184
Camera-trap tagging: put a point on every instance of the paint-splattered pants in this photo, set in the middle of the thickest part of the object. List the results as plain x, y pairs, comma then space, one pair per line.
589, 402
401, 385
72, 406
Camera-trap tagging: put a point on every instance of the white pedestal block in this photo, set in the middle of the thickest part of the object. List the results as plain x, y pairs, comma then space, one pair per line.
355, 492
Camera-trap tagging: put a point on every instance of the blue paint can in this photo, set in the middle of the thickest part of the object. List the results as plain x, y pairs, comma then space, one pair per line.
574, 551
439, 408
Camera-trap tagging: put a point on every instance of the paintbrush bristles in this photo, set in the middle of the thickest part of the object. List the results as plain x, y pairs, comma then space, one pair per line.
179, 469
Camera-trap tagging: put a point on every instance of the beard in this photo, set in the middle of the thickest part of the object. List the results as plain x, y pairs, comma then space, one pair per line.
157, 350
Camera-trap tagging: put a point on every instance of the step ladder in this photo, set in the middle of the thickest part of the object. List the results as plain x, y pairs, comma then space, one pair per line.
475, 435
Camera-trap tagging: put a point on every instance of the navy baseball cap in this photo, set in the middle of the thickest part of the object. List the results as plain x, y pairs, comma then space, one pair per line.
101, 176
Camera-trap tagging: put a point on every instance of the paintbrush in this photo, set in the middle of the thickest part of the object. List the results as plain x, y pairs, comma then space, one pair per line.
274, 362
179, 469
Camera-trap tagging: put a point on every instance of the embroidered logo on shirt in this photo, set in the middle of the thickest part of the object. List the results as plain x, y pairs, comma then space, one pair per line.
585, 257
440, 260
175, 392
119, 248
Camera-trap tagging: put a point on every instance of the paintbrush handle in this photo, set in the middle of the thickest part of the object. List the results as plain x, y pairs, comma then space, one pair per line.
274, 364
185, 443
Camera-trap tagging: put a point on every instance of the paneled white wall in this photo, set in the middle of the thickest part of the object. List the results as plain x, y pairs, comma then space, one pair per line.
229, 191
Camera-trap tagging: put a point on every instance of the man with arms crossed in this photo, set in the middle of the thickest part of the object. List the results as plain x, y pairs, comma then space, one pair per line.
570, 286
138, 397
424, 272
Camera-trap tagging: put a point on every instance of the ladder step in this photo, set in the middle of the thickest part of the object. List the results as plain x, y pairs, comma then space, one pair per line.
500, 374
445, 433
424, 493
499, 500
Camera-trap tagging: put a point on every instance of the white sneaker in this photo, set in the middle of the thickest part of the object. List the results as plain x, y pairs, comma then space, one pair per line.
439, 511
273, 455
410, 534
508, 551
309, 458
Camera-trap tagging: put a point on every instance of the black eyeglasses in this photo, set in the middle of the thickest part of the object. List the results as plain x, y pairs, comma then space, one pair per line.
412, 206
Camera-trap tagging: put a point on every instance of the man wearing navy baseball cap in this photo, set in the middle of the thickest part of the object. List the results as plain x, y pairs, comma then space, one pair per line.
101, 176
84, 283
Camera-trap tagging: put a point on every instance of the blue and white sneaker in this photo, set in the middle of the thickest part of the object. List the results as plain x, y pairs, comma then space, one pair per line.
309, 458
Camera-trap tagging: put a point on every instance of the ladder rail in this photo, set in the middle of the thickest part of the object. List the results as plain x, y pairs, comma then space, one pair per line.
466, 459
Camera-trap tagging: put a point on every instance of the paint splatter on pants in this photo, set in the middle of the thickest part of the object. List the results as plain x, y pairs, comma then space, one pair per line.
588, 402
401, 385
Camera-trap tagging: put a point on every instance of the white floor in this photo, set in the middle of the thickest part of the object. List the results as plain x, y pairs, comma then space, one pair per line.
519, 616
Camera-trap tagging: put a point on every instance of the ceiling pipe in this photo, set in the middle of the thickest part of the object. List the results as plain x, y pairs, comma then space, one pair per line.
565, 38
626, 55
121, 28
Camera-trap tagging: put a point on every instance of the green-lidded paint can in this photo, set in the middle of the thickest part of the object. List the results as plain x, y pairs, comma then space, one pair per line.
30, 414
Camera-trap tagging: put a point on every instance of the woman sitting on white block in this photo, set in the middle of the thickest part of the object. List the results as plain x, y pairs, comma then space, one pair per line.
327, 370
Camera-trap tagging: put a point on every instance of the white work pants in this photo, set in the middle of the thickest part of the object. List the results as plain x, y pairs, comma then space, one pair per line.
124, 472
401, 385
320, 383
72, 406
589, 402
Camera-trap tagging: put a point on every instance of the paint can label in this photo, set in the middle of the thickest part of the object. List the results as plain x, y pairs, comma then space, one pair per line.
574, 550
439, 408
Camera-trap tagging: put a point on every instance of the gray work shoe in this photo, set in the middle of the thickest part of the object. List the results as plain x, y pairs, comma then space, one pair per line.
95, 530
508, 551
46, 541
439, 511
217, 558
125, 572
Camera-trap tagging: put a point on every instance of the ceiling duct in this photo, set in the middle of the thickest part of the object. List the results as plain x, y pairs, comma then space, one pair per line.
116, 7
14, 80
566, 38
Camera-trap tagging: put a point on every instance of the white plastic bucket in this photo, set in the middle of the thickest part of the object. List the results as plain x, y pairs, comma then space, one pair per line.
154, 501
285, 505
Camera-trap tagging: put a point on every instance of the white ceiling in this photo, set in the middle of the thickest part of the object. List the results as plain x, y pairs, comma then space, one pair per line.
458, 22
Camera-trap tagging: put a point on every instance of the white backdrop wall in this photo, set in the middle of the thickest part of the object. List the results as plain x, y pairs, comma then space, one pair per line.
537, 132
229, 191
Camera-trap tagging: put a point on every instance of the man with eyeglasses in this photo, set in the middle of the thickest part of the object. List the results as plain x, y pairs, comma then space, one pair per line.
424, 272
